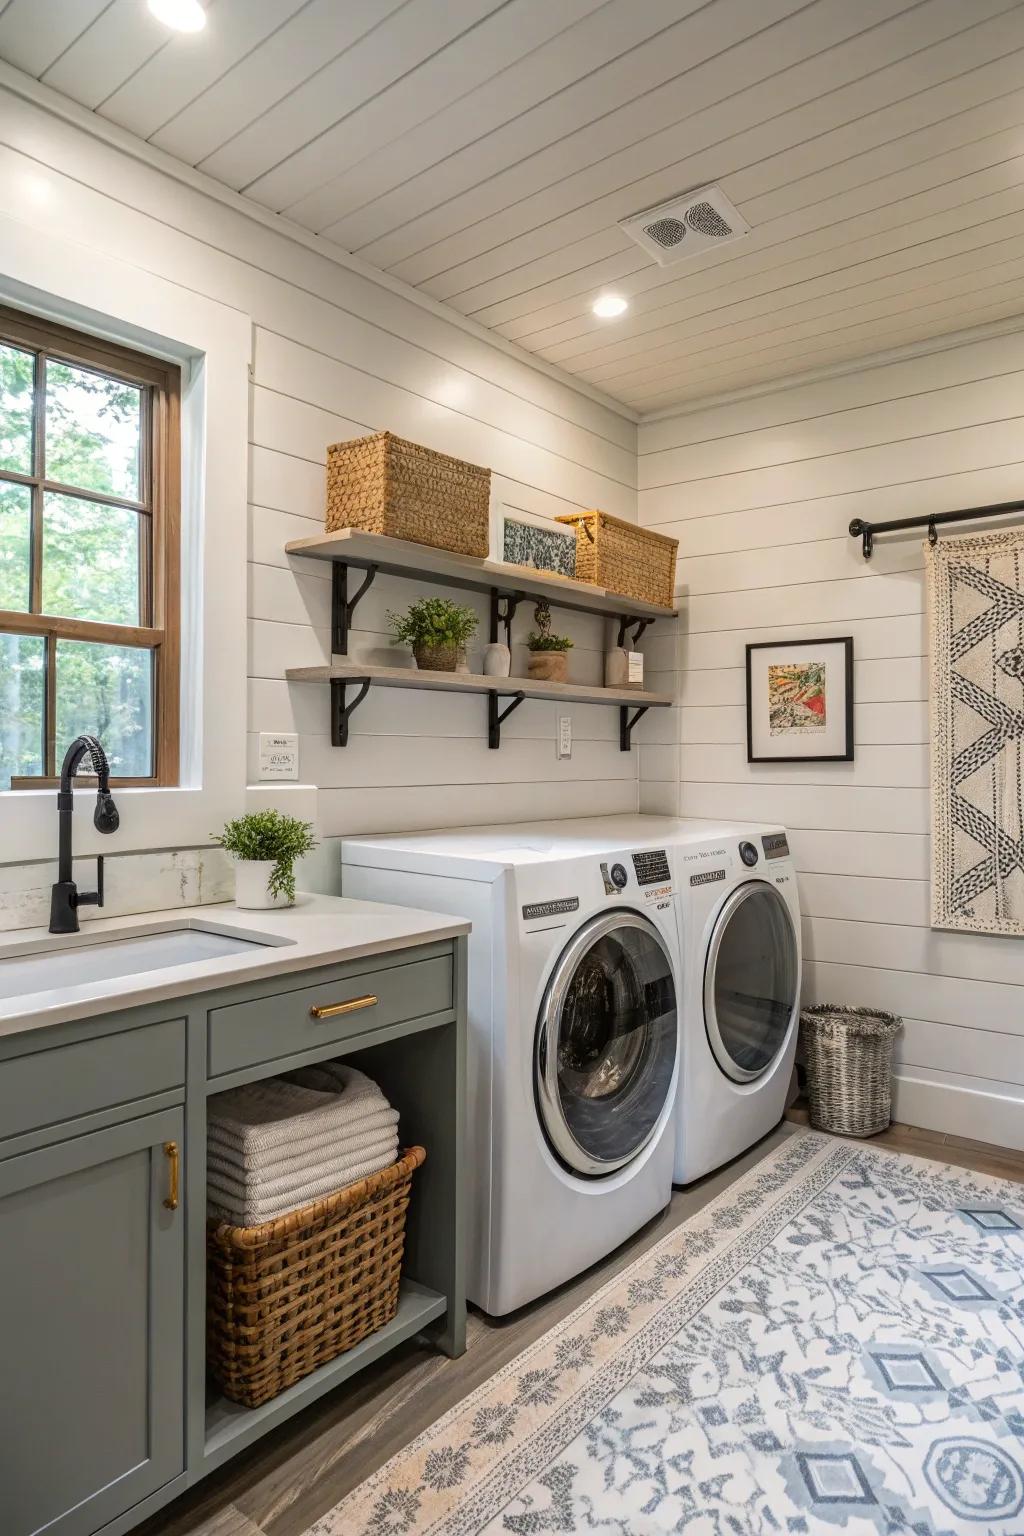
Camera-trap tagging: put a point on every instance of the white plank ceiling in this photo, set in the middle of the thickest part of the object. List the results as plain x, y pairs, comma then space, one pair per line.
484, 152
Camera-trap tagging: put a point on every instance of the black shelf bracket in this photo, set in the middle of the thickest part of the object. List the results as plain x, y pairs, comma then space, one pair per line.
343, 606
637, 626
865, 531
503, 611
341, 710
626, 725
494, 718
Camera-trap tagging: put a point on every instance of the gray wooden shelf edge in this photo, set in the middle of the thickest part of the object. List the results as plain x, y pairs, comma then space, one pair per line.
515, 689
421, 562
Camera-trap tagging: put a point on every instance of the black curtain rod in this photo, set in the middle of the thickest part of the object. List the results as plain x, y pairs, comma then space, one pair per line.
859, 529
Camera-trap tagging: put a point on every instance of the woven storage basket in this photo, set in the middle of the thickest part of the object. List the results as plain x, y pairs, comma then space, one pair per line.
848, 1054
384, 484
285, 1297
625, 559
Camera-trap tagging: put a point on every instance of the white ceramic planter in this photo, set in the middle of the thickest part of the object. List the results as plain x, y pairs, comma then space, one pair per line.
497, 660
252, 890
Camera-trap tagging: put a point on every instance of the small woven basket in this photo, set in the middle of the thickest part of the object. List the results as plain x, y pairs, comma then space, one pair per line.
625, 559
848, 1055
285, 1297
384, 484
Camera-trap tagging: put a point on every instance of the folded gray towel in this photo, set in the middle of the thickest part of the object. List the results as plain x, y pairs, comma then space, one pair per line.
224, 1205
277, 1110
273, 1160
281, 1180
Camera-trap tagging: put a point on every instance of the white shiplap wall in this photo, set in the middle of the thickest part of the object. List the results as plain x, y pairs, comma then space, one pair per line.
336, 355
759, 493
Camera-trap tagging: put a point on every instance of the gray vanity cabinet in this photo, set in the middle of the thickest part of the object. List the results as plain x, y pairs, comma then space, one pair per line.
92, 1288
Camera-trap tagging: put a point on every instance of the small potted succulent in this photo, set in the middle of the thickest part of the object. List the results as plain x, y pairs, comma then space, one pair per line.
265, 845
549, 661
437, 629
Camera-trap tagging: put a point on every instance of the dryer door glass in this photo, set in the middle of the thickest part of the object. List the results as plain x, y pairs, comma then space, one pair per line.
606, 1043
751, 981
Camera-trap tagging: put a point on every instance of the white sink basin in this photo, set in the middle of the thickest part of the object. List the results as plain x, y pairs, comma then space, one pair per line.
77, 964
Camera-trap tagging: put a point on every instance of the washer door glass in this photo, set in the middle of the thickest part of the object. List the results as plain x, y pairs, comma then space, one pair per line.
606, 1043
751, 981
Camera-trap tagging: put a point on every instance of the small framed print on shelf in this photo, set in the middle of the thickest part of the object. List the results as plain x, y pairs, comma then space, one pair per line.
800, 701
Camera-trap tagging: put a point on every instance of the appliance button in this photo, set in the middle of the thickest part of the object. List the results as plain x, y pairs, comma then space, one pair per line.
748, 853
619, 877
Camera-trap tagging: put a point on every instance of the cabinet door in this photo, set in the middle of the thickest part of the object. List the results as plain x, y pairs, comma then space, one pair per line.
91, 1328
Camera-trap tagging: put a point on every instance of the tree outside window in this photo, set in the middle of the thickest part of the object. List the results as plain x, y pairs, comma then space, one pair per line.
88, 554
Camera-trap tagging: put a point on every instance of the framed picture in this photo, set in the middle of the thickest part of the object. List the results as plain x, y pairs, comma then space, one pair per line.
538, 543
800, 701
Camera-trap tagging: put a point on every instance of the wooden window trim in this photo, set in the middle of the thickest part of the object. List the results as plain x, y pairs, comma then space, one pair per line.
160, 534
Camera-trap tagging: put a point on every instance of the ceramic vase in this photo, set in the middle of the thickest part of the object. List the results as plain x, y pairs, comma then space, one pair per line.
497, 660
549, 666
252, 885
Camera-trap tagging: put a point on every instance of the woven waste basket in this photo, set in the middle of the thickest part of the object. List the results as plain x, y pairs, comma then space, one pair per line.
623, 558
385, 484
848, 1055
285, 1297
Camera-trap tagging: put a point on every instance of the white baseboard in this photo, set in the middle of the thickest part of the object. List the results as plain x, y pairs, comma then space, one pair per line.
960, 1109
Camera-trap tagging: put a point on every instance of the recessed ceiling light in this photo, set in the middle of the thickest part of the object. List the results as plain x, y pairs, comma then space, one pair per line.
609, 305
182, 15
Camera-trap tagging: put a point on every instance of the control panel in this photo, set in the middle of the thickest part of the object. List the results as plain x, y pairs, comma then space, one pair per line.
749, 854
775, 845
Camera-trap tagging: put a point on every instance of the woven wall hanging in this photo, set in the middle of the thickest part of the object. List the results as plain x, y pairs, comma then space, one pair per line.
976, 621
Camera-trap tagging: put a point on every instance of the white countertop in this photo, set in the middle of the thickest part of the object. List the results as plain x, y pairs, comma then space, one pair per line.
318, 930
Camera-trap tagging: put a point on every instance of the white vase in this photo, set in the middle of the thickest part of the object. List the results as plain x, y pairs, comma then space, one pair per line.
497, 660
252, 885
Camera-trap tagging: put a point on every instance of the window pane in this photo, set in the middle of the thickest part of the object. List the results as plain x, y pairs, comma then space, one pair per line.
107, 690
15, 546
16, 380
93, 430
22, 675
90, 561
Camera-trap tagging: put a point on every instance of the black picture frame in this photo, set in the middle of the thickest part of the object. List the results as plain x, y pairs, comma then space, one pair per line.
846, 756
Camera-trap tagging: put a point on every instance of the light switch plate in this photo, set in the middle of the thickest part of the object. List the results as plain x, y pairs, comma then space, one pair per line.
565, 735
279, 756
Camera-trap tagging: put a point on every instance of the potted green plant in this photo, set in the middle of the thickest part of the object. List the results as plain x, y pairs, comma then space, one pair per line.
437, 629
265, 845
549, 661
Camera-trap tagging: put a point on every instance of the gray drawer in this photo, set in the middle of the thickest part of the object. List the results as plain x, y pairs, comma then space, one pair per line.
70, 1080
248, 1034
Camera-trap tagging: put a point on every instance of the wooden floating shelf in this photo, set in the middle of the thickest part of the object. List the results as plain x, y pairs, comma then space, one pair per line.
517, 689
476, 682
508, 584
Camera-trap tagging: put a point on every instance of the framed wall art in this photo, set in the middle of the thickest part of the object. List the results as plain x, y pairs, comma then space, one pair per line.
800, 701
537, 543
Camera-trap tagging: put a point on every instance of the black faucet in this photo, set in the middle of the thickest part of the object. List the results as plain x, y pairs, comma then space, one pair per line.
65, 898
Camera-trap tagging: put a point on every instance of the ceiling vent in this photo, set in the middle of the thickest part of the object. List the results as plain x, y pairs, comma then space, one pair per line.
687, 226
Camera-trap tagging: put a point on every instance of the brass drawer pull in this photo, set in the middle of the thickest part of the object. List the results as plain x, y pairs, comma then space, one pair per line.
332, 1010
174, 1168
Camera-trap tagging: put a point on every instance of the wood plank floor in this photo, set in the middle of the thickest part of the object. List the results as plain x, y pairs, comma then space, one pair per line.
304, 1468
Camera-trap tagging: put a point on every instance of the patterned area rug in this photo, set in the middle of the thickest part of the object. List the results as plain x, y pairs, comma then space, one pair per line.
835, 1344
976, 606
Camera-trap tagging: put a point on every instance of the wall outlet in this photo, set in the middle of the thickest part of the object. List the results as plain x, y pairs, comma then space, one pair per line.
279, 756
565, 735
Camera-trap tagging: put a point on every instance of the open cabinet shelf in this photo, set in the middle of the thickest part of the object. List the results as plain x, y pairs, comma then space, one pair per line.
515, 689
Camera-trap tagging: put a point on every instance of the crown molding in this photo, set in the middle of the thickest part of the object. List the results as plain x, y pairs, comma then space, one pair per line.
945, 343
57, 105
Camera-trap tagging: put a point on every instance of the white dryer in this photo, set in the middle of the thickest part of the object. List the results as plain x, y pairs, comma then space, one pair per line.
573, 988
741, 990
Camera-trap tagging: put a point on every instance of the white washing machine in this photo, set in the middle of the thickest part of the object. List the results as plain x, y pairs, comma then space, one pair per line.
741, 952
574, 980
